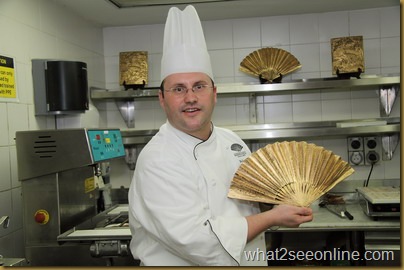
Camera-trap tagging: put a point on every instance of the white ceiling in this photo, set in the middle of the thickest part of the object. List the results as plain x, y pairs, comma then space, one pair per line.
105, 14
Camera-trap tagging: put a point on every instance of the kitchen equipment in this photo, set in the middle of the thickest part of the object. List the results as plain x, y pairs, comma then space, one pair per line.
336, 204
59, 171
60, 87
339, 210
379, 202
386, 242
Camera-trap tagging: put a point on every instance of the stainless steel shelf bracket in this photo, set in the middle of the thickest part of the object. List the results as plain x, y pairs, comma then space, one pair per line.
388, 95
253, 108
389, 143
127, 109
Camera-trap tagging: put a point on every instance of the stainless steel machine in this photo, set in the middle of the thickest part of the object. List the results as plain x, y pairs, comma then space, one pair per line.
60, 175
380, 202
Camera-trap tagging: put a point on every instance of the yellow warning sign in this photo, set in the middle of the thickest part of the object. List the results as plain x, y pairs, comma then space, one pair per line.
7, 78
89, 184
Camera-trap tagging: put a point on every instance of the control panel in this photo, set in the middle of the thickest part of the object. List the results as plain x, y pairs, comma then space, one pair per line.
105, 144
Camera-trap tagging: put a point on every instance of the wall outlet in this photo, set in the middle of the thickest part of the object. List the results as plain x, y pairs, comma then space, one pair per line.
355, 144
356, 158
372, 149
364, 150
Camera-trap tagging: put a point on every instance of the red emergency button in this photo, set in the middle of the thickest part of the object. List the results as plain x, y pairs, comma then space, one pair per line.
41, 216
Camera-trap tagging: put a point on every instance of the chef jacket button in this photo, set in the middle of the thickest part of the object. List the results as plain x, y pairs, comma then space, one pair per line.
205, 223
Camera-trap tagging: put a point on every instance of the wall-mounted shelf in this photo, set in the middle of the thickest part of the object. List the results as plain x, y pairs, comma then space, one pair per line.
291, 130
130, 94
387, 128
388, 87
305, 84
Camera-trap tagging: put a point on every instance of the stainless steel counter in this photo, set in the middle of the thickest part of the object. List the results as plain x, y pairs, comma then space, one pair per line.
324, 220
329, 232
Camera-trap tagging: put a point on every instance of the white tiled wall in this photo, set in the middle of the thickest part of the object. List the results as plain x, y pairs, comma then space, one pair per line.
307, 37
41, 29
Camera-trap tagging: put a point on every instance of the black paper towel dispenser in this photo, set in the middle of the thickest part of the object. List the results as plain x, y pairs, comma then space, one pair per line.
60, 87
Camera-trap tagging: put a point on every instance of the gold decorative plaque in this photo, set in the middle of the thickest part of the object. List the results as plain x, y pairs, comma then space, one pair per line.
347, 55
133, 68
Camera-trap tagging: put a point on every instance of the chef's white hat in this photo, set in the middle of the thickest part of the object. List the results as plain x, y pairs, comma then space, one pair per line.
184, 48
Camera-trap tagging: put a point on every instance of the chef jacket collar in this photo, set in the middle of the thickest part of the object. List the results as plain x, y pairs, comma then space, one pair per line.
189, 139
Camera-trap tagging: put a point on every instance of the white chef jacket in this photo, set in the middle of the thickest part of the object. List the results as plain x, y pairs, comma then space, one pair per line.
179, 212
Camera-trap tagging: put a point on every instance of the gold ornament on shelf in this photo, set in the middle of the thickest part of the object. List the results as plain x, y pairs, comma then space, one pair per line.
269, 64
295, 173
133, 69
347, 56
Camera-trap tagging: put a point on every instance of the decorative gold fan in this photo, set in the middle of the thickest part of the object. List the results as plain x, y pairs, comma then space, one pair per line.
296, 173
269, 64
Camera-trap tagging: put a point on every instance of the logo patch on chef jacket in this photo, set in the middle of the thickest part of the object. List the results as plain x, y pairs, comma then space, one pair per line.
237, 148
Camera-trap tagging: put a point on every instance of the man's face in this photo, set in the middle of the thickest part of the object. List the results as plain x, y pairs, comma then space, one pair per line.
190, 112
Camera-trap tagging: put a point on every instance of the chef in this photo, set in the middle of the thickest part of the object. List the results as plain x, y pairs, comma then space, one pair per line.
179, 212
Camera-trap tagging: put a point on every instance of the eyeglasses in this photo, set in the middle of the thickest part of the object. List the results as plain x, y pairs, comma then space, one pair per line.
180, 91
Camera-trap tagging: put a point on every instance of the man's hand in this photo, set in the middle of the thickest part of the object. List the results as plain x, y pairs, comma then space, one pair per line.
290, 216
281, 215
